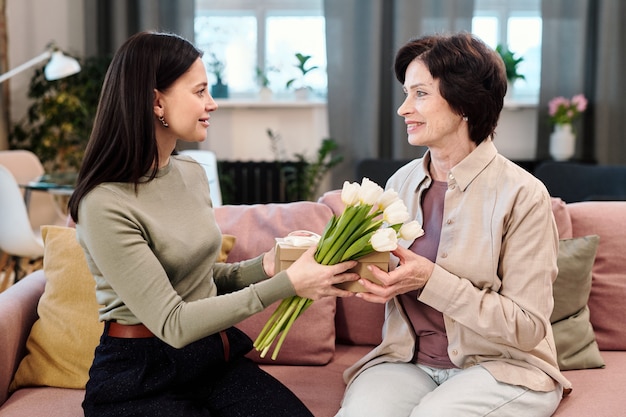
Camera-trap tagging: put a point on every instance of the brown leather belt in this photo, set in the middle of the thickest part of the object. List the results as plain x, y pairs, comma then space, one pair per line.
139, 331
226, 345
130, 331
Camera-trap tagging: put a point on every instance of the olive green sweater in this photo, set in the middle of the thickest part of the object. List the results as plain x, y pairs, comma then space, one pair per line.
153, 256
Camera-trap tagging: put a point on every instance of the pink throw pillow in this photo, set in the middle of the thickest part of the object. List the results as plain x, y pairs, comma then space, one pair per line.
562, 218
608, 288
311, 340
359, 322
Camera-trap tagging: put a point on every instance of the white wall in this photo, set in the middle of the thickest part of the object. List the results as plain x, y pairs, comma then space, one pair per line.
516, 133
238, 128
31, 26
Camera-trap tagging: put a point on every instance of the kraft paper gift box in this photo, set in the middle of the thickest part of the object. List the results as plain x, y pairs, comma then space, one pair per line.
286, 254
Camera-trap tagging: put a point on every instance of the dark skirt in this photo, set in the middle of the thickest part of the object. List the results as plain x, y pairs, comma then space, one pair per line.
147, 377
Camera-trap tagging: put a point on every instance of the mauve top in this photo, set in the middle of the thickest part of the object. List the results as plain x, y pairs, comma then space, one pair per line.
431, 345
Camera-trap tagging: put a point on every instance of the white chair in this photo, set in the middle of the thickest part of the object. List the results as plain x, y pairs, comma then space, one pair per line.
209, 162
17, 238
25, 167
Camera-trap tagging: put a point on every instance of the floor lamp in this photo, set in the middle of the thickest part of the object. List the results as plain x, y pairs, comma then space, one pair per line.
59, 66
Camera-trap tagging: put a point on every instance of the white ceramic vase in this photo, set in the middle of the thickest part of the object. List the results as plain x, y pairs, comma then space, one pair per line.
562, 142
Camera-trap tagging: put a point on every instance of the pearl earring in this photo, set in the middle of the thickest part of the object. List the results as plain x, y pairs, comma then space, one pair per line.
163, 122
465, 118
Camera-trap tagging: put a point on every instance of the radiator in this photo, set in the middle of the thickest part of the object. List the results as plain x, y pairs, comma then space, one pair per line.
244, 182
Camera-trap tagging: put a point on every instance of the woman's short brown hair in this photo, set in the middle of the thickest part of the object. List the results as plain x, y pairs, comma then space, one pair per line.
471, 75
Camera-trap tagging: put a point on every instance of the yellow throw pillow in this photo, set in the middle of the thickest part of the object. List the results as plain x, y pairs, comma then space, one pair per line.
62, 341
228, 241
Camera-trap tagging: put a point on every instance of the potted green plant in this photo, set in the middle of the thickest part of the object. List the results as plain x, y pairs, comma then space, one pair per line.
217, 67
510, 63
305, 184
265, 92
301, 88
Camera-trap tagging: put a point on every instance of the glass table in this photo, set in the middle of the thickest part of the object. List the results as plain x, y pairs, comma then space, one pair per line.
59, 184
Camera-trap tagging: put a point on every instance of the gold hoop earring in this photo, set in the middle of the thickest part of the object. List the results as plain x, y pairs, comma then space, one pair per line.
163, 122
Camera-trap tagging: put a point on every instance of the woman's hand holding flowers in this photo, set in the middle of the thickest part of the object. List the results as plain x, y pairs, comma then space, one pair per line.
313, 281
412, 273
373, 220
269, 265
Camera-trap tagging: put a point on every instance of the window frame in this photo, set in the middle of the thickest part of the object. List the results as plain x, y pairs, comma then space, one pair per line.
261, 11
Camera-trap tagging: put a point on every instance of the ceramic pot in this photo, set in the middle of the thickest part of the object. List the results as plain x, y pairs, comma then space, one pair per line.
219, 90
301, 93
562, 142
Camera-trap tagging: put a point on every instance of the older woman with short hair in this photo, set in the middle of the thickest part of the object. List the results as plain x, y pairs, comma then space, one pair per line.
467, 330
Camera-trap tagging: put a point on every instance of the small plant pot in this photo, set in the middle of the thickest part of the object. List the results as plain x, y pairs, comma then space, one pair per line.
265, 93
219, 90
302, 93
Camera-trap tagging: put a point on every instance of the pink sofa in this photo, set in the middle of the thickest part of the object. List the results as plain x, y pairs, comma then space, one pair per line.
335, 333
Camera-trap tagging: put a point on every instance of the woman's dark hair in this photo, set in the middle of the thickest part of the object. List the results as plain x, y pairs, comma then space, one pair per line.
471, 75
122, 146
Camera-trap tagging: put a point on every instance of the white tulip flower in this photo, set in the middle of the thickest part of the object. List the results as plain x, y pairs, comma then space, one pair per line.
370, 192
350, 193
384, 239
396, 213
387, 198
411, 230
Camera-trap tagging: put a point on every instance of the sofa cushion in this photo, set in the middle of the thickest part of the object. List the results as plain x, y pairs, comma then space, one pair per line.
562, 218
257, 226
359, 322
608, 291
62, 341
311, 341
573, 334
228, 242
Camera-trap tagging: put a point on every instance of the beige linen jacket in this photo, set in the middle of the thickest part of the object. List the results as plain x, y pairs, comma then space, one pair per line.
493, 275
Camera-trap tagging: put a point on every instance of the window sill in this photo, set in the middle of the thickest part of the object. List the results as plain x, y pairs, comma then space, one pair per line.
520, 103
269, 103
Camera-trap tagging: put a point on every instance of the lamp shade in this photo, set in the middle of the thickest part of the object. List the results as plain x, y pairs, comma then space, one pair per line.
60, 66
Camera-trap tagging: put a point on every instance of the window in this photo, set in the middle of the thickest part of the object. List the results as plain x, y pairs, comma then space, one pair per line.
516, 24
247, 35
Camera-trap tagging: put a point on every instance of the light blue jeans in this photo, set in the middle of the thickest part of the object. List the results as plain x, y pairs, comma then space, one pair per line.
410, 390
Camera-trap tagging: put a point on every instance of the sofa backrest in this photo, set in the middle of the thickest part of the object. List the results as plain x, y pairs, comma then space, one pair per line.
257, 225
359, 322
574, 182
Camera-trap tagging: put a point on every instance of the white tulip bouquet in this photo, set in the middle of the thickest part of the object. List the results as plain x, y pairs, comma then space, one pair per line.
373, 220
